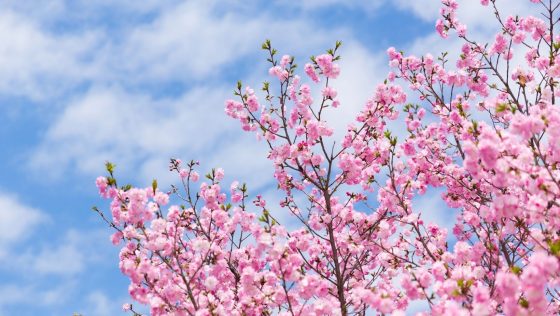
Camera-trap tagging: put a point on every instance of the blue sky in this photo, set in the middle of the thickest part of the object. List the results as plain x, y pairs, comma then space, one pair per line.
138, 82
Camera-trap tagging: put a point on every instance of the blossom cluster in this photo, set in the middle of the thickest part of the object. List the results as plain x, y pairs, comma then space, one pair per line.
485, 136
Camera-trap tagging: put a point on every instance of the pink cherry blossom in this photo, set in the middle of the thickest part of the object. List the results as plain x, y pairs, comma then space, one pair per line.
478, 136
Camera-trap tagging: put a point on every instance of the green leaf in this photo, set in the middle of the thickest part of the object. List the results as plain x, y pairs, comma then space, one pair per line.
475, 125
338, 44
461, 109
501, 107
516, 270
555, 247
464, 286
523, 302
154, 185
387, 134
266, 44
110, 167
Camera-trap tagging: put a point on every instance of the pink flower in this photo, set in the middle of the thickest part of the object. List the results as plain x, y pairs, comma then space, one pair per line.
211, 283
102, 184
462, 30
183, 173
310, 71
252, 103
507, 284
393, 54
279, 72
285, 61
328, 68
219, 174
500, 45
161, 198
116, 238
408, 148
329, 92
201, 245
526, 126
479, 137
441, 28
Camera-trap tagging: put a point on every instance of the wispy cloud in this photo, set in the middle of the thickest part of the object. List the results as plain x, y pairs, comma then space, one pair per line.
193, 43
354, 4
17, 221
38, 65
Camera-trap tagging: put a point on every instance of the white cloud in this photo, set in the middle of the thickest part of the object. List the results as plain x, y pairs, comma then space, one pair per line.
140, 134
243, 158
66, 259
49, 275
187, 42
184, 42
425, 9
38, 65
50, 12
100, 304
20, 294
10, 293
47, 272
17, 221
353, 4
111, 124
196, 39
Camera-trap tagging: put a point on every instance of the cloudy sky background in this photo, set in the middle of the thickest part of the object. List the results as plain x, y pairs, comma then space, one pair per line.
138, 82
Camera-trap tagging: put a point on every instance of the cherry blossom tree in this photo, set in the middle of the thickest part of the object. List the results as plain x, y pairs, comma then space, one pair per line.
481, 126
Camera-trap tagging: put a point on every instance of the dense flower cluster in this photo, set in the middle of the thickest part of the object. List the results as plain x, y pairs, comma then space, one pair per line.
485, 133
